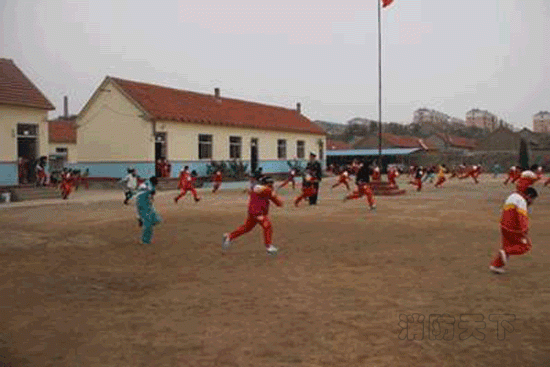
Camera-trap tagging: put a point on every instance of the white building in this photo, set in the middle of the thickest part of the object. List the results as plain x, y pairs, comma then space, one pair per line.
482, 119
541, 122
425, 115
23, 125
127, 123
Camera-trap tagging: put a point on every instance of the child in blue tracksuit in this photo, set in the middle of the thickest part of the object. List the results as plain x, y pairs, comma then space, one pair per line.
147, 215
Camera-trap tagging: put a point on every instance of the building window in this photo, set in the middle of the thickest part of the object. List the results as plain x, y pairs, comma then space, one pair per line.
281, 148
27, 130
205, 146
300, 149
235, 147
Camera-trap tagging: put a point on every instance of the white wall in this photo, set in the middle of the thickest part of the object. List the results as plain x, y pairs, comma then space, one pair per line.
111, 130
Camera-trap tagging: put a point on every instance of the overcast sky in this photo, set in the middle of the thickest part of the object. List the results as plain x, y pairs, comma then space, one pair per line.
447, 55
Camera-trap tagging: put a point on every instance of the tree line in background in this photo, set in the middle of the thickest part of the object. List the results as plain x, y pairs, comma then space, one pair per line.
361, 128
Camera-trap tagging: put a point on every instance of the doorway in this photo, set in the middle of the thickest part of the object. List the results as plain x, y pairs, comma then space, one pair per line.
27, 152
253, 154
160, 153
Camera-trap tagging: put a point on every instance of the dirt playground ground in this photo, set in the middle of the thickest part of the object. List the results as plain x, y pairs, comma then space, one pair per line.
349, 287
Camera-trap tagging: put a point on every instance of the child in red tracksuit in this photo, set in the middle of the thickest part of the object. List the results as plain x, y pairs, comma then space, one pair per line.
362, 181
376, 174
473, 172
66, 184
418, 178
514, 228
513, 175
393, 173
343, 179
187, 183
290, 179
308, 187
217, 181
258, 209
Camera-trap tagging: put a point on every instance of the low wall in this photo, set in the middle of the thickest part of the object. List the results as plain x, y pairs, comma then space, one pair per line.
487, 159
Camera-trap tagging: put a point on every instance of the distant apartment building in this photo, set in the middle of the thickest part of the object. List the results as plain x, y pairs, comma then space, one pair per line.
482, 119
541, 122
425, 115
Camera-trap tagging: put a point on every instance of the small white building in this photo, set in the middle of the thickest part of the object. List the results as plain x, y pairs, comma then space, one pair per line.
425, 115
127, 123
23, 125
541, 122
62, 143
482, 119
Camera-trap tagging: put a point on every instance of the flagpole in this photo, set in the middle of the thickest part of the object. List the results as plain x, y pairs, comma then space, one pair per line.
379, 86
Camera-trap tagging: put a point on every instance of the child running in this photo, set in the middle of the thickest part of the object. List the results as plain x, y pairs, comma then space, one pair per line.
417, 178
131, 182
343, 179
441, 176
474, 173
216, 181
187, 183
147, 215
393, 173
66, 184
258, 209
513, 175
308, 187
514, 228
376, 175
362, 180
290, 179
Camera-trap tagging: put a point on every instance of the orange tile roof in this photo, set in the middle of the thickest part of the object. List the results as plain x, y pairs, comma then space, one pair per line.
401, 141
164, 103
17, 89
62, 131
457, 141
337, 145
396, 141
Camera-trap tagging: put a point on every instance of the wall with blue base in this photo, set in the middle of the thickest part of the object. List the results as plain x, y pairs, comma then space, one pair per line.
144, 169
272, 166
8, 174
115, 169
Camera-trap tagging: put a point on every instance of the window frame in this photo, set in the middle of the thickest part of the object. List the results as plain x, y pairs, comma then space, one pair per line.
281, 149
208, 145
300, 149
235, 146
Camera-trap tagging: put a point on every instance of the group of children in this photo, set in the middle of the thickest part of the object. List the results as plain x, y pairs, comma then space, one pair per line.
514, 220
419, 175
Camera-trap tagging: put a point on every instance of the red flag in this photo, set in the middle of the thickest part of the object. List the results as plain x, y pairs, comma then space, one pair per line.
386, 3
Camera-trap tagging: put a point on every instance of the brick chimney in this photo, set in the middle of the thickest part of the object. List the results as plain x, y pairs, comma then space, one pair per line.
66, 107
299, 107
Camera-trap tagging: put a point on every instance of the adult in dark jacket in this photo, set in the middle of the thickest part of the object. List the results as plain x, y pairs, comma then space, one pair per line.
363, 174
316, 171
362, 180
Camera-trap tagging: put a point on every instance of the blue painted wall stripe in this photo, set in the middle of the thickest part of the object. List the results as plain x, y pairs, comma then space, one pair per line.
146, 169
8, 173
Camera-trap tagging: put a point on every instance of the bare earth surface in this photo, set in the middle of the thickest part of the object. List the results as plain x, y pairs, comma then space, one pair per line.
78, 290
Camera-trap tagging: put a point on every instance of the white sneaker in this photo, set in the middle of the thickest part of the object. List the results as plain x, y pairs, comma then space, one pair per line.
272, 250
373, 208
496, 270
226, 242
503, 257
